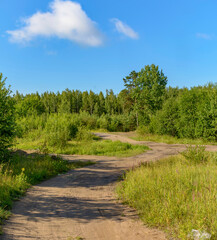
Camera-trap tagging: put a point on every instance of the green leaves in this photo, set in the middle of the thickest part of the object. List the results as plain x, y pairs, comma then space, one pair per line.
7, 121
146, 88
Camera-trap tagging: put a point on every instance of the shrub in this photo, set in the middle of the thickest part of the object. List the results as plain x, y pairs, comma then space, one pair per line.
7, 121
57, 131
196, 154
84, 134
103, 122
72, 130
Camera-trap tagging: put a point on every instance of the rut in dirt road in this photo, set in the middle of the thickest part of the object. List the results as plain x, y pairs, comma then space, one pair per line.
82, 202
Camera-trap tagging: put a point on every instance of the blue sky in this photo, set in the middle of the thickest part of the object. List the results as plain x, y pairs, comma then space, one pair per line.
50, 45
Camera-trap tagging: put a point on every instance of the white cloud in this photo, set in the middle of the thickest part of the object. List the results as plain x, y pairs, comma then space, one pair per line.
65, 20
125, 29
204, 36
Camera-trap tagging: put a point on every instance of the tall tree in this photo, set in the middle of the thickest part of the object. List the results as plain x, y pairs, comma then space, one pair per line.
85, 102
92, 101
147, 89
110, 102
101, 103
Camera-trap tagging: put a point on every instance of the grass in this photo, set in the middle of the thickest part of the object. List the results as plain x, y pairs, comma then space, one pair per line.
136, 135
22, 171
100, 130
90, 147
177, 194
170, 139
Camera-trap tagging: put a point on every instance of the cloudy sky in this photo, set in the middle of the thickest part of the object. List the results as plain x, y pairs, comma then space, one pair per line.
50, 45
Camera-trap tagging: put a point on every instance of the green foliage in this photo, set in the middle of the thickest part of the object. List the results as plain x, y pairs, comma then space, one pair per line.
196, 154
188, 114
87, 144
146, 89
31, 104
174, 194
142, 134
106, 148
145, 102
7, 122
164, 122
84, 135
57, 131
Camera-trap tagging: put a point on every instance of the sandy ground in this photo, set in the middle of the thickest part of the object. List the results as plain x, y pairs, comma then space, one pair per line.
82, 203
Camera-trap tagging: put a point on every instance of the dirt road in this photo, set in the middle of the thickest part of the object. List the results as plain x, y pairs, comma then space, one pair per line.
82, 202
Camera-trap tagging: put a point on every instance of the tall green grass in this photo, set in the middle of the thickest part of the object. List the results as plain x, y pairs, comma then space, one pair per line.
169, 139
22, 171
177, 194
85, 147
66, 135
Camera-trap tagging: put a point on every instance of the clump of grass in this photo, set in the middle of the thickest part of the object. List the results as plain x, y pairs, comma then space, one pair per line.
24, 170
11, 187
105, 148
177, 194
196, 154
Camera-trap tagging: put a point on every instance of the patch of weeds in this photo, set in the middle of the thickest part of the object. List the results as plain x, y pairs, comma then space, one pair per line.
86, 144
169, 139
23, 170
177, 194
196, 154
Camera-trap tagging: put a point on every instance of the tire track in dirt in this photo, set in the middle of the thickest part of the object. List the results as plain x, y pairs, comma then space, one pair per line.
82, 202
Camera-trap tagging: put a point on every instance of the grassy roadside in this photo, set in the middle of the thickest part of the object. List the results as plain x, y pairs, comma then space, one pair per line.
177, 194
141, 136
22, 171
169, 139
89, 147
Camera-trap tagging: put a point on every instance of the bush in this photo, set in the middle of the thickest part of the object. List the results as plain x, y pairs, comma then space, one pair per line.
103, 122
57, 131
7, 121
84, 134
72, 130
196, 154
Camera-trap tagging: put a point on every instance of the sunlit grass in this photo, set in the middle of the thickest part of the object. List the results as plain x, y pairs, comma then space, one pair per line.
22, 171
174, 194
169, 139
90, 147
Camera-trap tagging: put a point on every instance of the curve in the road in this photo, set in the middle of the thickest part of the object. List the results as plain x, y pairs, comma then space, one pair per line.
82, 202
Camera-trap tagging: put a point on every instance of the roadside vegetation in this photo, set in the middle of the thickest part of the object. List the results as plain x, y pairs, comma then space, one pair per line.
60, 134
18, 171
177, 194
22, 170
145, 103
61, 122
91, 147
141, 135
7, 119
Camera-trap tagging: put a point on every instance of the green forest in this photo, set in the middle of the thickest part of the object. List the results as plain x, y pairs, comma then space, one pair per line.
146, 102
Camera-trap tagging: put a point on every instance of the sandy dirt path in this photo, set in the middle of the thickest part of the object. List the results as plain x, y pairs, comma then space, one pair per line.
82, 202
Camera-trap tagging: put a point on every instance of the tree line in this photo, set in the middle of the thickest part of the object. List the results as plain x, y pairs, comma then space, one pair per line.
146, 103
143, 92
146, 100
